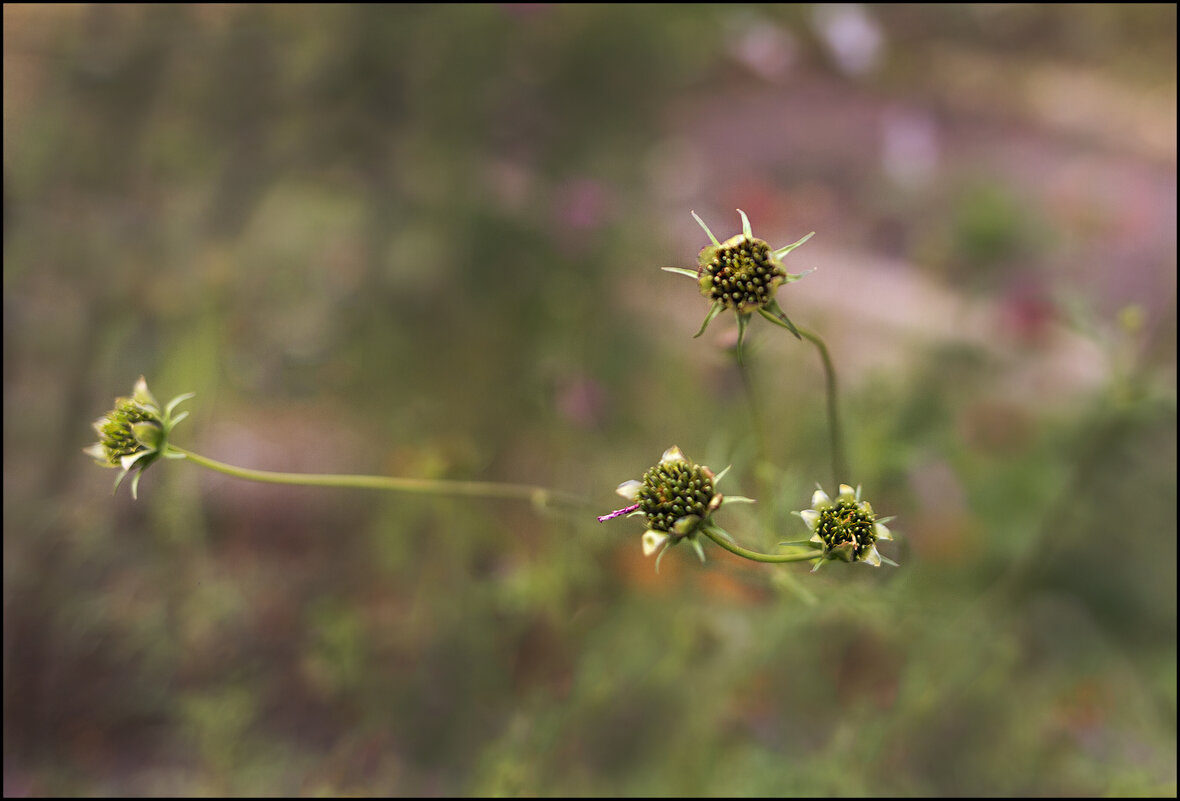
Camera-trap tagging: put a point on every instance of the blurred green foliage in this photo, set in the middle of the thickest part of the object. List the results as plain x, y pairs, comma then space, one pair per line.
424, 241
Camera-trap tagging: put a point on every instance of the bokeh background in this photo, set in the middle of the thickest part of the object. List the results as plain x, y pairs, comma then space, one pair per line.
425, 241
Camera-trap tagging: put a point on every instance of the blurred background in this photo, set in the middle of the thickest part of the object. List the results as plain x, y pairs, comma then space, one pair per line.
425, 241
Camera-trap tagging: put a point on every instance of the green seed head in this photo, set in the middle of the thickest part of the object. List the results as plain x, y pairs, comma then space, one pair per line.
135, 433
846, 528
741, 273
847, 531
116, 436
677, 495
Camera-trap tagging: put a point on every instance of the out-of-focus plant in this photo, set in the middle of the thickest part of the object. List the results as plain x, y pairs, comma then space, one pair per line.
135, 434
676, 497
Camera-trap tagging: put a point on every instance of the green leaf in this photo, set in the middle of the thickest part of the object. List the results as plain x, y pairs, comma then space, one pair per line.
660, 555
808, 543
707, 231
720, 532
147, 433
172, 404
771, 311
713, 312
778, 254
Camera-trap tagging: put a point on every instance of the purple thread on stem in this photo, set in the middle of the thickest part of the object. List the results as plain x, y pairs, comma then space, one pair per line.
616, 513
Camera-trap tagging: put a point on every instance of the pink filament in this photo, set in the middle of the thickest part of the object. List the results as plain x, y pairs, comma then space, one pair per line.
616, 513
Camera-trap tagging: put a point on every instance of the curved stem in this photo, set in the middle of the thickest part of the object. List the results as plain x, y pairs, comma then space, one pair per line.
765, 490
839, 460
754, 555
539, 496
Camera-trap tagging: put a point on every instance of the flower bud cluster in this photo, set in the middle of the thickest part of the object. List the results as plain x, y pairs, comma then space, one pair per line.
135, 433
116, 433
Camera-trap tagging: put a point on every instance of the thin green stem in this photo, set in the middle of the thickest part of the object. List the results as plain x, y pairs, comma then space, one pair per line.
839, 460
762, 470
539, 496
756, 423
745, 553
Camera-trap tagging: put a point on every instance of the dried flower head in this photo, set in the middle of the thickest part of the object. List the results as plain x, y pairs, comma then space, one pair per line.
135, 433
742, 273
678, 498
846, 528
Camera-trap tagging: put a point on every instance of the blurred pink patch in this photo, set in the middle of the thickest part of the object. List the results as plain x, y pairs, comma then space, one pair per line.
1027, 313
582, 204
581, 400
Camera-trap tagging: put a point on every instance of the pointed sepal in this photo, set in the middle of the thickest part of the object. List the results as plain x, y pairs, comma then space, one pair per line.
778, 254
701, 223
716, 309
773, 312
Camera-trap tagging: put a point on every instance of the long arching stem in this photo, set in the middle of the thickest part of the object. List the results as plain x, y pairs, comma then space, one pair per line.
539, 496
839, 460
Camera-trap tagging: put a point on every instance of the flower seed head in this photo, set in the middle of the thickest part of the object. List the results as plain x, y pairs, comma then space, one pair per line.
116, 432
676, 495
677, 498
135, 433
845, 528
741, 273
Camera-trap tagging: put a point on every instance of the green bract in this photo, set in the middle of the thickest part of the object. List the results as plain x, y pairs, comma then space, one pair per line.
135, 433
742, 273
846, 528
678, 499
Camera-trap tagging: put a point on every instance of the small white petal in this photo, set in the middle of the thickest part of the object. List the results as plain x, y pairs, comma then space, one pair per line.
820, 500
144, 397
810, 517
673, 454
652, 540
872, 557
630, 489
847, 493
97, 452
883, 532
